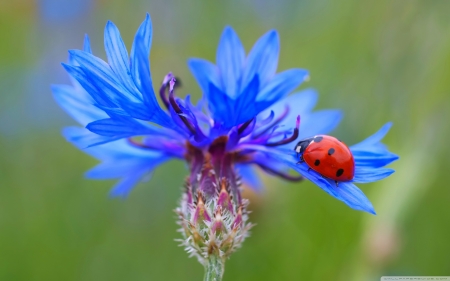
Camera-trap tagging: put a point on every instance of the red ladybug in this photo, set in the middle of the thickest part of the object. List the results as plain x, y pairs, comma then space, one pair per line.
328, 156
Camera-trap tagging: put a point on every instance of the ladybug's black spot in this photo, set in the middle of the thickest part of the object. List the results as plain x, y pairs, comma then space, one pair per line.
317, 162
318, 139
339, 172
330, 151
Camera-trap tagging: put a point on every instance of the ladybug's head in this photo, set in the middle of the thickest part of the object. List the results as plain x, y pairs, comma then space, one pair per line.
302, 145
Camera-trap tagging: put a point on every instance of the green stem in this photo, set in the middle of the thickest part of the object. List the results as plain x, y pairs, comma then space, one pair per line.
214, 268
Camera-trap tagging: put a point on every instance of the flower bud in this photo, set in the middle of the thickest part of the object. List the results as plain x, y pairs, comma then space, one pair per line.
213, 221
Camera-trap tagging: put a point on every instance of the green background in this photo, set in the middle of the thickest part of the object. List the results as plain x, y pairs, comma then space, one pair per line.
379, 61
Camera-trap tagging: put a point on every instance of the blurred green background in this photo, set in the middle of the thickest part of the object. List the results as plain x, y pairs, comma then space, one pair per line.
379, 61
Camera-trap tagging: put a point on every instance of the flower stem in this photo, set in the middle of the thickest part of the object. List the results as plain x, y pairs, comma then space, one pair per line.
214, 268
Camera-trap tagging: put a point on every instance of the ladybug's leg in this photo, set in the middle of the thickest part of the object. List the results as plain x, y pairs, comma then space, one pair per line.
301, 159
336, 183
309, 169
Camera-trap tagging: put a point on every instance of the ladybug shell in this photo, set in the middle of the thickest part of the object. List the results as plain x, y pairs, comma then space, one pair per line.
330, 157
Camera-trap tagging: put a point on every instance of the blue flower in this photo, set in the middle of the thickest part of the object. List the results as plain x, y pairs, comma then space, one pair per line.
244, 120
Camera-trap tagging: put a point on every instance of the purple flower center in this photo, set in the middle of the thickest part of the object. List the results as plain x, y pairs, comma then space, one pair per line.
208, 147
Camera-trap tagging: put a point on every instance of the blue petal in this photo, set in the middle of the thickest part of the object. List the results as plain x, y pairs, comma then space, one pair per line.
373, 159
205, 73
220, 105
130, 109
175, 147
130, 172
121, 126
118, 56
83, 138
317, 179
366, 175
156, 114
103, 77
300, 103
230, 60
262, 59
119, 160
373, 140
233, 139
87, 44
126, 184
143, 37
353, 197
244, 107
81, 77
250, 177
142, 66
371, 152
111, 170
345, 191
125, 164
78, 104
282, 84
319, 122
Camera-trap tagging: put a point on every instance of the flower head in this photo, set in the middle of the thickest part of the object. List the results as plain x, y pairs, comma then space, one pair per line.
115, 101
244, 120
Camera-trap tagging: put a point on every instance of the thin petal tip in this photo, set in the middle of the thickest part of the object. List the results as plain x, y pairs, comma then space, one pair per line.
109, 23
228, 29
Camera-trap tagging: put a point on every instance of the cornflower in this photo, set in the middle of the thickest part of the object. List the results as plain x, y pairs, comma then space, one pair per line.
244, 120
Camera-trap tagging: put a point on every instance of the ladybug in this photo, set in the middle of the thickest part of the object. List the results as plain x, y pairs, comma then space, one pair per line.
328, 156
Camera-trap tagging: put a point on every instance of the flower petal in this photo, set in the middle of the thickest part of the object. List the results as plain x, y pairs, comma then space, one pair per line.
220, 105
83, 138
319, 122
110, 170
126, 184
345, 191
87, 44
262, 59
353, 197
230, 60
282, 84
119, 160
300, 103
371, 152
103, 77
244, 107
121, 126
78, 104
117, 55
144, 37
250, 177
373, 159
108, 151
155, 112
77, 73
372, 142
205, 73
366, 175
